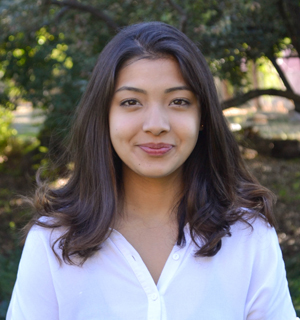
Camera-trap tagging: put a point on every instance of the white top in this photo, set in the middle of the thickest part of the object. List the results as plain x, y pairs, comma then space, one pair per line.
245, 280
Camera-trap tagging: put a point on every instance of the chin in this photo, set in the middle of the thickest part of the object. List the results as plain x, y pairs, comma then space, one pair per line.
157, 173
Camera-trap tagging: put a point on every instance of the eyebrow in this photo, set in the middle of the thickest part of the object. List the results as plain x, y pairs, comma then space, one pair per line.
144, 91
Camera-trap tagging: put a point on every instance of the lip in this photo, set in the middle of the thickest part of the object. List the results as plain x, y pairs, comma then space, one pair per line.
156, 149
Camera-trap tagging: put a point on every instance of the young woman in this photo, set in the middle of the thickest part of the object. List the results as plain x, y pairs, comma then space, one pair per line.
159, 218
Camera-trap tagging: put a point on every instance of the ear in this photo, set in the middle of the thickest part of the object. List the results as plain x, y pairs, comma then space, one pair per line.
201, 127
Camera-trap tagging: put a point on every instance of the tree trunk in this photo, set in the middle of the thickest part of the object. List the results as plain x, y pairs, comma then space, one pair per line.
290, 11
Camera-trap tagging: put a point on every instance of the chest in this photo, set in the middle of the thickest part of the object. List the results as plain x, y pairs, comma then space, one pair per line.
154, 247
117, 285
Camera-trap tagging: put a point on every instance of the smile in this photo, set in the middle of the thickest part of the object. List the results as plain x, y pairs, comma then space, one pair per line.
156, 149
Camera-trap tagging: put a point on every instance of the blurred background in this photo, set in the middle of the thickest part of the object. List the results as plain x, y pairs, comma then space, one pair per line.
48, 49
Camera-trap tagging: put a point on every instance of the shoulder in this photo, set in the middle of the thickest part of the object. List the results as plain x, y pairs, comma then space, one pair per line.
254, 227
255, 240
257, 251
42, 238
44, 227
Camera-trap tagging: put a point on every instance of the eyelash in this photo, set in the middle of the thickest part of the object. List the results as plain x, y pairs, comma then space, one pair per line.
186, 102
123, 103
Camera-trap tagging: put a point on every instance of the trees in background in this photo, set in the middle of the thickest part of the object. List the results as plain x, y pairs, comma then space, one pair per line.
49, 47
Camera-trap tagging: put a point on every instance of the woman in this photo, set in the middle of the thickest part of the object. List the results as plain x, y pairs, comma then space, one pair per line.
159, 218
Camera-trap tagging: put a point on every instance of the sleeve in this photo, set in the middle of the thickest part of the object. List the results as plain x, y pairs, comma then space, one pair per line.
268, 295
34, 297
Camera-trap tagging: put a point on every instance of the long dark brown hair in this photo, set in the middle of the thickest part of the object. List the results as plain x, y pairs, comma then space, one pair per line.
218, 192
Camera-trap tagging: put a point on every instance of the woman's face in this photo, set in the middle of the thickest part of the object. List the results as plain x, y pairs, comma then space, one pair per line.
154, 117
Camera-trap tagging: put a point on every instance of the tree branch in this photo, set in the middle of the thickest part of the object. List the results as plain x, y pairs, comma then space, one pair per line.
183, 19
281, 74
237, 101
284, 80
56, 19
87, 8
59, 15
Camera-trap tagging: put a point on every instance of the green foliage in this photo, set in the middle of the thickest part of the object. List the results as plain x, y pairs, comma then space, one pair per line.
240, 31
292, 267
12, 219
6, 131
270, 76
47, 54
8, 270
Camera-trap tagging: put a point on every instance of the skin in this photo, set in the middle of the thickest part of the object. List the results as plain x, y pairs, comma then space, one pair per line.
154, 112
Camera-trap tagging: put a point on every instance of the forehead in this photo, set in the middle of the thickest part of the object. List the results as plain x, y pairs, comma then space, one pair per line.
147, 71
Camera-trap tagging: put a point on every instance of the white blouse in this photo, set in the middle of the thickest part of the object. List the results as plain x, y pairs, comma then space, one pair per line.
246, 279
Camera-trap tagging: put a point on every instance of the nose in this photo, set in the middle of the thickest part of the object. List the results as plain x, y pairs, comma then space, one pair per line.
156, 120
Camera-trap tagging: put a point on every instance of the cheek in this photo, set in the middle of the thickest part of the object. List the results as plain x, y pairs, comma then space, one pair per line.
121, 130
116, 136
191, 138
114, 131
188, 130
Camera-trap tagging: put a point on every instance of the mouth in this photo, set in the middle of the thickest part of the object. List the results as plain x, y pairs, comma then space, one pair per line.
156, 149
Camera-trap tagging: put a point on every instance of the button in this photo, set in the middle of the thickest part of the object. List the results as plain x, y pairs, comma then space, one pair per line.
154, 296
175, 256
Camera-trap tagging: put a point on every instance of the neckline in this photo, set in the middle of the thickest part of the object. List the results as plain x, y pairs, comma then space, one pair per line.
186, 231
131, 254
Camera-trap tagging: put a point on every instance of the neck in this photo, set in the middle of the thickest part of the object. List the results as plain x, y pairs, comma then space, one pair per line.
150, 201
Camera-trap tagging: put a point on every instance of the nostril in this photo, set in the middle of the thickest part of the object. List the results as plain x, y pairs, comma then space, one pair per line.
156, 124
156, 128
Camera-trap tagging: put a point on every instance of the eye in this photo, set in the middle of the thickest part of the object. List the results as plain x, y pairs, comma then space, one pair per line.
129, 102
181, 102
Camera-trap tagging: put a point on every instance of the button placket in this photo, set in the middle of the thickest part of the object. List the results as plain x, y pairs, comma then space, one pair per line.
154, 296
154, 306
142, 274
176, 256
172, 264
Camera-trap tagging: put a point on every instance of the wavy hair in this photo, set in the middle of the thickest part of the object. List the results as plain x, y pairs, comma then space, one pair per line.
217, 183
